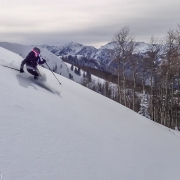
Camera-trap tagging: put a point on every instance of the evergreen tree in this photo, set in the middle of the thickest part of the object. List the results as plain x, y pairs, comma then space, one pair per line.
144, 106
88, 75
84, 74
79, 71
76, 70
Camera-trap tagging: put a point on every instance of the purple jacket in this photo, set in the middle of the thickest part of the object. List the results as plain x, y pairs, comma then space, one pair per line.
32, 61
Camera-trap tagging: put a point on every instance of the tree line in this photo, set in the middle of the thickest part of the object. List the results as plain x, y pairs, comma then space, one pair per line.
147, 83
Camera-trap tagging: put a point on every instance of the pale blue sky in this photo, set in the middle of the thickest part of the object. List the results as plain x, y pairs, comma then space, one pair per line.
56, 22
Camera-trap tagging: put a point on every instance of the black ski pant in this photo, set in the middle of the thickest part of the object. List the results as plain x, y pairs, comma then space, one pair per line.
33, 71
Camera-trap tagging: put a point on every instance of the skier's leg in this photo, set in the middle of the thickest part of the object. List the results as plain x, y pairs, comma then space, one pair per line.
33, 72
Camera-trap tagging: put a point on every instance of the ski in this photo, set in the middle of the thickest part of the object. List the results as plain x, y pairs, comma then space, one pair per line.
11, 67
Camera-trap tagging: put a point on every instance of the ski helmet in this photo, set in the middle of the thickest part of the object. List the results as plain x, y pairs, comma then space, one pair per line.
37, 50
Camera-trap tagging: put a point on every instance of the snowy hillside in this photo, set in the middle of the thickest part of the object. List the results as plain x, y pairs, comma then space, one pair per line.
68, 132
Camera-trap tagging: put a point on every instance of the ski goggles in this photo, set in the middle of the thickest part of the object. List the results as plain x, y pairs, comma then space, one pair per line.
36, 54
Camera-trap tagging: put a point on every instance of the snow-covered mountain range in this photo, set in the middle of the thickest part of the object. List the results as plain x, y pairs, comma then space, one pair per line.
88, 56
95, 58
68, 132
103, 54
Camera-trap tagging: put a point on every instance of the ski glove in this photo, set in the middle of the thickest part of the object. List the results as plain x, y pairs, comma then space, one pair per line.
44, 61
21, 70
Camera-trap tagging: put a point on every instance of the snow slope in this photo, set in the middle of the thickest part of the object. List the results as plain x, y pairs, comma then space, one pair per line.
72, 133
93, 77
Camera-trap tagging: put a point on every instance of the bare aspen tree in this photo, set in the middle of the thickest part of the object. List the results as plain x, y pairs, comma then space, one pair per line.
172, 61
118, 72
178, 77
123, 46
153, 57
134, 71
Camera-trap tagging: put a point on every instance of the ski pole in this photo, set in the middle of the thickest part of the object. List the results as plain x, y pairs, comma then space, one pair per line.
53, 73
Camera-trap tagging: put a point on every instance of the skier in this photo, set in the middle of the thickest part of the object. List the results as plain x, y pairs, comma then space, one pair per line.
31, 61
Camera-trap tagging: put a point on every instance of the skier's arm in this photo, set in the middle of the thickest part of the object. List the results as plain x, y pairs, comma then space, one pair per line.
41, 62
25, 61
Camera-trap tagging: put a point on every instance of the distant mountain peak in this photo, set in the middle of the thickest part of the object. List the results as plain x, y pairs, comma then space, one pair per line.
104, 54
